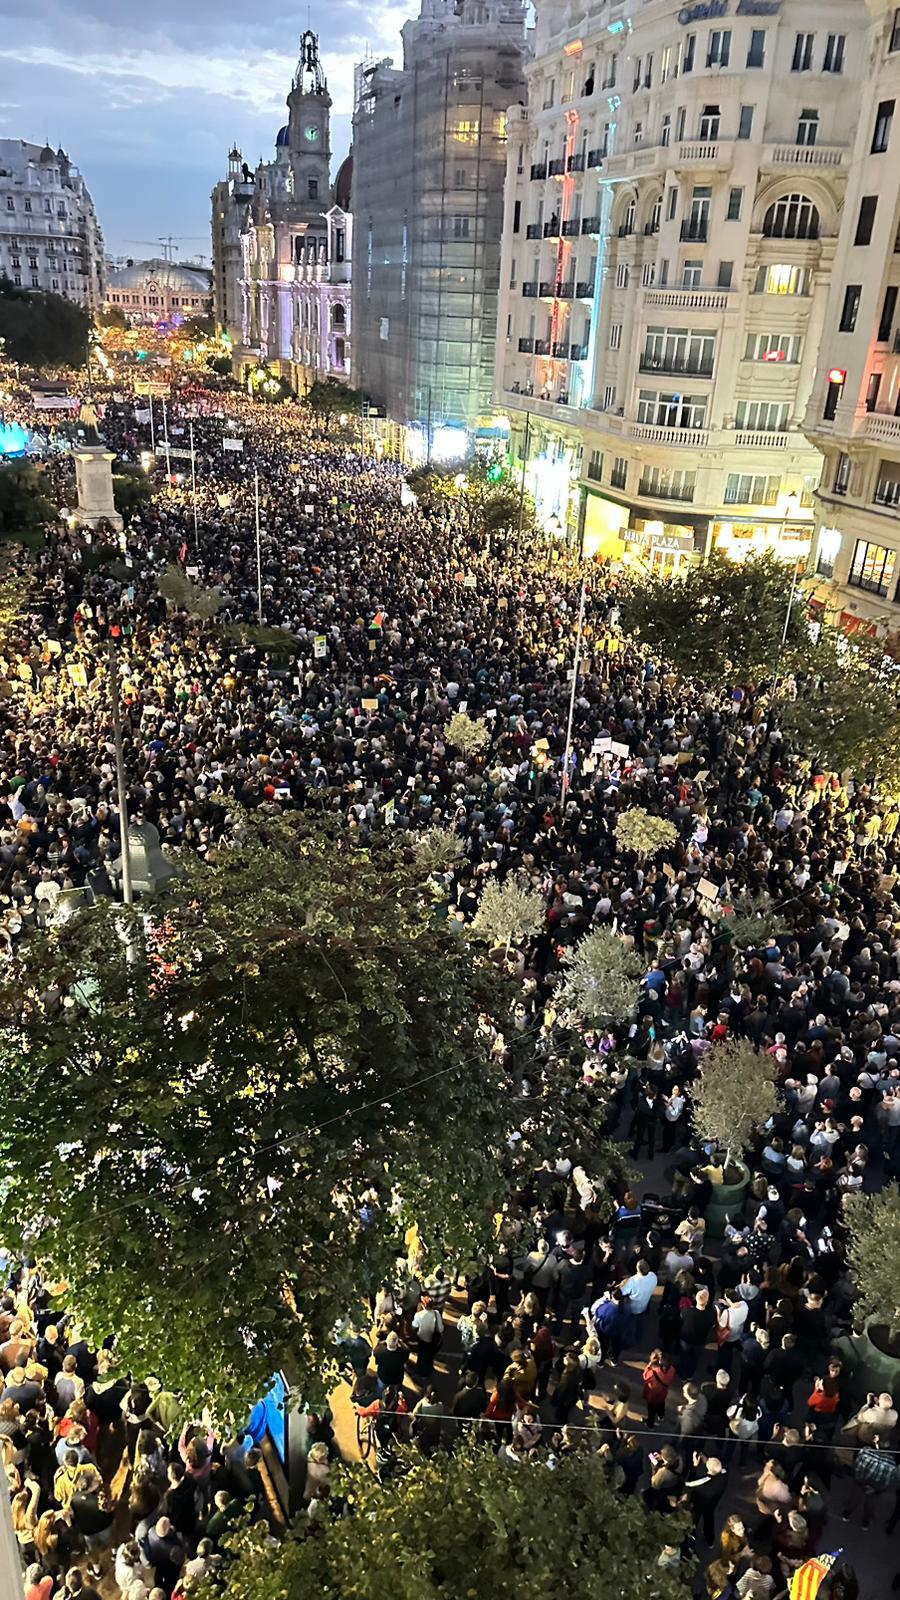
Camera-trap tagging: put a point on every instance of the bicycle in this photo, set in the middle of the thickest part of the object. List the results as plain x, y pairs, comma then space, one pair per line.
366, 1437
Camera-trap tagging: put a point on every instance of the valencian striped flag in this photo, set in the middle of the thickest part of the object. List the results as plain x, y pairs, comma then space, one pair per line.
808, 1578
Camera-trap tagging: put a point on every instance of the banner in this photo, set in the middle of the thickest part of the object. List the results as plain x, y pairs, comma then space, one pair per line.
320, 646
232, 444
55, 402
179, 454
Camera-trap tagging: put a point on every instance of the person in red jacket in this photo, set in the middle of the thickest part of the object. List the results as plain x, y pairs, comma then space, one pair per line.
659, 1376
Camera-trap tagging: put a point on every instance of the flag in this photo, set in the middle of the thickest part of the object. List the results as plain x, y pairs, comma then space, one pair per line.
183, 551
809, 1577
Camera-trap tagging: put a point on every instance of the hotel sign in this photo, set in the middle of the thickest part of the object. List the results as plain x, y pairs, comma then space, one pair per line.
720, 8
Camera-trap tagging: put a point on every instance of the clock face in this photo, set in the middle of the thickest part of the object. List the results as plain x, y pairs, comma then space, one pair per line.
311, 133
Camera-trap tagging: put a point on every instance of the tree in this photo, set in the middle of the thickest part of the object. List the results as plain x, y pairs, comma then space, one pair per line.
467, 1524
468, 734
734, 1095
437, 848
111, 317
180, 591
41, 329
846, 712
224, 1142
873, 1223
258, 636
508, 913
15, 587
221, 365
717, 620
601, 977
644, 834
328, 398
24, 507
752, 920
132, 489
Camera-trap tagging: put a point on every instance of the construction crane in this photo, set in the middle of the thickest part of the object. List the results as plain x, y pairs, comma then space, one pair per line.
169, 241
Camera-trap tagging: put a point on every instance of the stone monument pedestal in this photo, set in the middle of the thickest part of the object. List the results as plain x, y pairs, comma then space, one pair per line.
93, 478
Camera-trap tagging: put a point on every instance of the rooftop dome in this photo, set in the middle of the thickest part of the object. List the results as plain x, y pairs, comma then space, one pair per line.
164, 275
47, 156
343, 183
283, 138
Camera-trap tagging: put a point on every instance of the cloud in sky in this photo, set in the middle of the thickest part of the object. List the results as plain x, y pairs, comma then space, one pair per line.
148, 103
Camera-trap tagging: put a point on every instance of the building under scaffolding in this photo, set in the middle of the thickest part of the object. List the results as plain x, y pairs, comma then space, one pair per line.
430, 153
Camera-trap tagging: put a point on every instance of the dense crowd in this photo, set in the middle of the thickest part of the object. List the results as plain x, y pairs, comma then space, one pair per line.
623, 1321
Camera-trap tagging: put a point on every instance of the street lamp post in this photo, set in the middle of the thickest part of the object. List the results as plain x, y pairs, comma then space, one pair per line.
568, 755
193, 479
10, 1566
259, 604
790, 605
121, 791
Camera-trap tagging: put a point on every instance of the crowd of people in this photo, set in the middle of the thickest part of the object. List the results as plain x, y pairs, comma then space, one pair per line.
624, 1322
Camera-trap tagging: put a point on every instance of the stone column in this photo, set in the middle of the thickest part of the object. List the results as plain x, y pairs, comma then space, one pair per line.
93, 478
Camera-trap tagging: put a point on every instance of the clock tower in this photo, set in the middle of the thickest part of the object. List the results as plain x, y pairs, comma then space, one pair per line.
309, 128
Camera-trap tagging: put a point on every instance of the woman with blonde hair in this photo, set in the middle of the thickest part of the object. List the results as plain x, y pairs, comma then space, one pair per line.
25, 1517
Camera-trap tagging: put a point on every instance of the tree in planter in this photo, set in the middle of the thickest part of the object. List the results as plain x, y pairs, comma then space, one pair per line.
508, 913
466, 1524
643, 833
717, 620
467, 734
437, 849
734, 1095
873, 1223
180, 591
752, 919
223, 1143
253, 635
601, 978
132, 489
327, 398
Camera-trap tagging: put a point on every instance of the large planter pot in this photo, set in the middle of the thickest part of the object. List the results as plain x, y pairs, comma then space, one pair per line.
727, 1202
879, 1367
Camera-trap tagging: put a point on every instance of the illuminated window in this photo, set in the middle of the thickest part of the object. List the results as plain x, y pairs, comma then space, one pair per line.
872, 567
828, 551
467, 132
782, 280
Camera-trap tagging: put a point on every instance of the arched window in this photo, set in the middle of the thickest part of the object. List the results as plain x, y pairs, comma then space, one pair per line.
655, 217
792, 217
339, 317
628, 220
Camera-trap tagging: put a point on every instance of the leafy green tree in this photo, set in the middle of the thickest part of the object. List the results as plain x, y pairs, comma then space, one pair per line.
734, 1095
132, 489
224, 1142
718, 620
468, 734
643, 833
508, 913
327, 398
467, 1524
199, 327
436, 849
753, 919
873, 1223
846, 712
41, 329
258, 636
221, 365
180, 591
601, 977
111, 317
24, 505
15, 587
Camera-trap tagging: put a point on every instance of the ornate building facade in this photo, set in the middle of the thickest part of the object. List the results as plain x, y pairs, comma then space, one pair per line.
674, 194
50, 238
282, 244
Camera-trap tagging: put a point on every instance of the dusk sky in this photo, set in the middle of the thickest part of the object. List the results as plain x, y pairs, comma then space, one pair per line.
147, 100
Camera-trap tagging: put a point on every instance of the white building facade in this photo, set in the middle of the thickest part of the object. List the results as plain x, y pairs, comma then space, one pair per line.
50, 238
854, 409
673, 199
282, 245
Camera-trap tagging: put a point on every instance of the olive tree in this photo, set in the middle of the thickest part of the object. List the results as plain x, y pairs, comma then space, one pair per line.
734, 1095
601, 977
643, 833
873, 1223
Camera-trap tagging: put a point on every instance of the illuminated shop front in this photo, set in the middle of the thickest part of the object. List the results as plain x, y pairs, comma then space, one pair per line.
787, 541
660, 547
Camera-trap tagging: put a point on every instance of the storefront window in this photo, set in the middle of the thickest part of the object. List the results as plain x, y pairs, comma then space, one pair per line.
872, 568
827, 551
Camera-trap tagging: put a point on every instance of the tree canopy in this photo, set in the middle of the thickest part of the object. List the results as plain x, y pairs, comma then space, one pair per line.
237, 1130
601, 977
717, 620
328, 398
643, 833
846, 712
734, 1095
468, 1524
42, 329
873, 1223
24, 504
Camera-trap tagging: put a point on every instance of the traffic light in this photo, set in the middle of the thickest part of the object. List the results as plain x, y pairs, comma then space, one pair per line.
495, 472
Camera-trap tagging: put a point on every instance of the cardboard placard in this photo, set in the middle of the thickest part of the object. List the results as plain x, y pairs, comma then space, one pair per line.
669, 871
707, 889
619, 749
320, 646
369, 704
233, 444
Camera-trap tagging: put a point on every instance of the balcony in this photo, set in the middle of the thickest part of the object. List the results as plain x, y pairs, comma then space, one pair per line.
666, 491
655, 433
556, 168
526, 347
804, 155
538, 170
590, 225
578, 352
887, 493
584, 289
764, 439
881, 427
575, 164
565, 291
673, 366
705, 152
626, 230
595, 158
561, 350
551, 228
650, 228
534, 230
687, 299
695, 231
547, 289
542, 347
530, 289
572, 228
